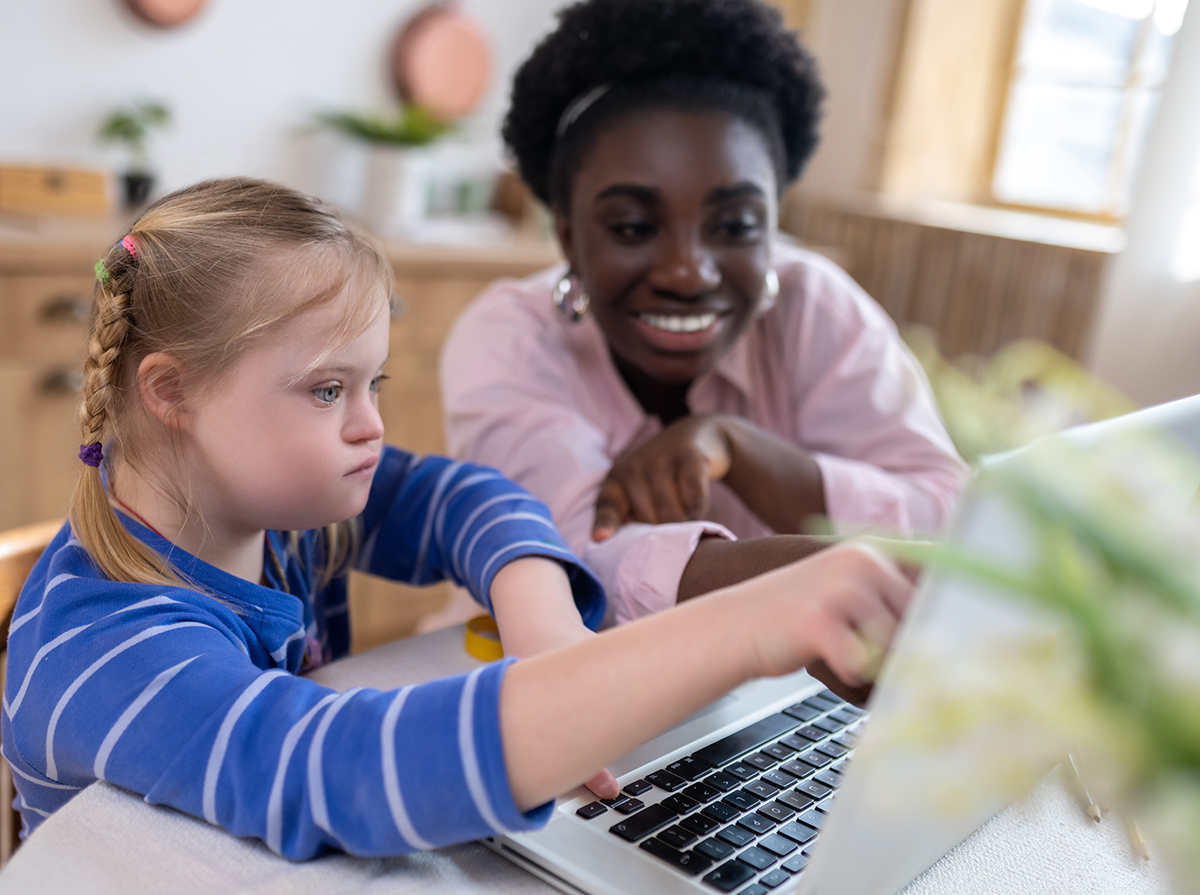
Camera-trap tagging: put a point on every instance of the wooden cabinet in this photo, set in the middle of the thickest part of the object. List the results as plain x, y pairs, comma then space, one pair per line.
46, 285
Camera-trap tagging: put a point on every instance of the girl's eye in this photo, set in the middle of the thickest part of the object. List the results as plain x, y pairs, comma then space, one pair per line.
377, 380
327, 394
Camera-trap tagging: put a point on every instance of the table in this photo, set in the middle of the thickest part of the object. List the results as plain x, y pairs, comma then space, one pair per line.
107, 840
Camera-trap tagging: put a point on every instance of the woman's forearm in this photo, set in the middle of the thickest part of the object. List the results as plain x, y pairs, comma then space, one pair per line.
780, 482
717, 562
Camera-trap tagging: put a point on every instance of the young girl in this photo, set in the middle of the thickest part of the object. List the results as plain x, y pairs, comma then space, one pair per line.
230, 430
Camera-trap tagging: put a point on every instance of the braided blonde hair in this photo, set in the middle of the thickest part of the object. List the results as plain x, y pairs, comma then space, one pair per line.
219, 266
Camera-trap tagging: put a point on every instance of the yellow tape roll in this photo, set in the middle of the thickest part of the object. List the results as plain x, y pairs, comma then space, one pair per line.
482, 639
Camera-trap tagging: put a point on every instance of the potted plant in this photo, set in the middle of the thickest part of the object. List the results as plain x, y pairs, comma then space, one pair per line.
393, 183
131, 126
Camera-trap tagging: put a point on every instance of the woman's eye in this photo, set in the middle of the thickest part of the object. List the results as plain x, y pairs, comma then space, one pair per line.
740, 227
327, 394
632, 230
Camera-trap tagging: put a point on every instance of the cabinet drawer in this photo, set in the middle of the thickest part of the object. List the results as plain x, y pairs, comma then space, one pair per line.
39, 441
45, 318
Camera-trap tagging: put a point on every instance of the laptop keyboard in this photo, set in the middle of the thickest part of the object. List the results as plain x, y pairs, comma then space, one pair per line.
743, 813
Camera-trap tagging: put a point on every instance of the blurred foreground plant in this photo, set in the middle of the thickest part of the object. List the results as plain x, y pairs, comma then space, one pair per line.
1113, 564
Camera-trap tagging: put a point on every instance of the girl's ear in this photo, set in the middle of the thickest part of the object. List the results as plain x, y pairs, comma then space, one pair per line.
160, 385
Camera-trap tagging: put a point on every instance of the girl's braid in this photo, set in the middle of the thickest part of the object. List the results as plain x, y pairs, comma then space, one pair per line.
100, 370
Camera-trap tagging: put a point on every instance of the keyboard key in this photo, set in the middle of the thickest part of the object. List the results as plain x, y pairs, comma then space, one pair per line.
715, 849
729, 876
613, 803
822, 703
814, 789
756, 824
815, 758
666, 780
780, 778
629, 806
814, 819
829, 778
776, 811
775, 878
722, 781
844, 716
699, 824
829, 696
643, 823
720, 812
752, 737
702, 792
798, 832
777, 845
849, 740
690, 768
742, 800
754, 889
680, 804
736, 836
853, 710
796, 742
757, 858
801, 712
763, 789
761, 760
797, 768
840, 767
826, 806
797, 800
593, 809
689, 862
832, 749
742, 771
677, 837
795, 864
779, 751
828, 724
815, 734
637, 787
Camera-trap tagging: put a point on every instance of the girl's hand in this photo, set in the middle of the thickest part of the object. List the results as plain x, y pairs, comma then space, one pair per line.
841, 607
666, 479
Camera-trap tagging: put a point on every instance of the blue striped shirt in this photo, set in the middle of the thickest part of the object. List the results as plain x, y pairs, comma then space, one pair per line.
195, 701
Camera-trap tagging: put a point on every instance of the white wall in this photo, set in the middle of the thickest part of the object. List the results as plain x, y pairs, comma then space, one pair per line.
244, 75
240, 79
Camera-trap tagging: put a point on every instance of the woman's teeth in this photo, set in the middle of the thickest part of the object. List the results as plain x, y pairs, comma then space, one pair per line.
677, 323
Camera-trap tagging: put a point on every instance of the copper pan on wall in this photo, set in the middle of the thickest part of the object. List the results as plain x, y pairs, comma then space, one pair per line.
441, 61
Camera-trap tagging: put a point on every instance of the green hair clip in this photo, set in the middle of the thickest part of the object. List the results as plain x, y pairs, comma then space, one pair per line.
102, 273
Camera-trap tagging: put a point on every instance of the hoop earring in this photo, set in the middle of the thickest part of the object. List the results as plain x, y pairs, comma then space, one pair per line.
573, 309
771, 286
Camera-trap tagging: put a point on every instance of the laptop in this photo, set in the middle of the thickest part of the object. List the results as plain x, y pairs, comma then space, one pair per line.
782, 787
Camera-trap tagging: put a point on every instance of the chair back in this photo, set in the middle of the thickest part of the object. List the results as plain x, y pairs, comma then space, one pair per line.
19, 551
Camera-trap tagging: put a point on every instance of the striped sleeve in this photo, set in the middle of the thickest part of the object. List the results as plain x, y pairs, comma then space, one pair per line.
432, 518
158, 698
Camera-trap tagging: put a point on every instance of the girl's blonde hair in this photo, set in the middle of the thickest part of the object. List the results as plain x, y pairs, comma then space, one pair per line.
214, 268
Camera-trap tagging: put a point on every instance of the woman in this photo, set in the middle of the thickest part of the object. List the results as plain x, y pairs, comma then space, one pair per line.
686, 372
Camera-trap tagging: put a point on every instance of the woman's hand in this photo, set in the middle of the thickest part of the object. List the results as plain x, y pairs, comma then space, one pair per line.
667, 478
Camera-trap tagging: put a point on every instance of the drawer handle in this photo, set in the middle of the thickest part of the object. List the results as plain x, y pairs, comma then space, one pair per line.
65, 309
398, 306
61, 382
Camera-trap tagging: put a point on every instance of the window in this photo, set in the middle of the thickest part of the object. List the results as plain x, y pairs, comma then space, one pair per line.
1084, 87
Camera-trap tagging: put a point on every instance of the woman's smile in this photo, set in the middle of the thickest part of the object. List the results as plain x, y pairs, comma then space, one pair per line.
680, 332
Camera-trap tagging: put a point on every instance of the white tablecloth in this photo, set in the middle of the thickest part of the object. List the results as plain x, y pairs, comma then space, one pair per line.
107, 840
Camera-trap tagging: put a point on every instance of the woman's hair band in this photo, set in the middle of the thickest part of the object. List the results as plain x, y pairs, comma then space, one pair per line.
578, 106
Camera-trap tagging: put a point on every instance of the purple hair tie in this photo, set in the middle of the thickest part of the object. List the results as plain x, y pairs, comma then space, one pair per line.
91, 454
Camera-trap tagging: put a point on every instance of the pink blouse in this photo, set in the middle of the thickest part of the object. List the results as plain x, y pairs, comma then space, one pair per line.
539, 398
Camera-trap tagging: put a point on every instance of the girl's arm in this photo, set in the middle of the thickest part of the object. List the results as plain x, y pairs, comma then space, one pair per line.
565, 713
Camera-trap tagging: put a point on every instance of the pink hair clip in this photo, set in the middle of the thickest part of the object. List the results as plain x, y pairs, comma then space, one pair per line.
129, 245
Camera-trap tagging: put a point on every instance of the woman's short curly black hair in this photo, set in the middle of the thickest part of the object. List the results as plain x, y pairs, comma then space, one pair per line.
697, 55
